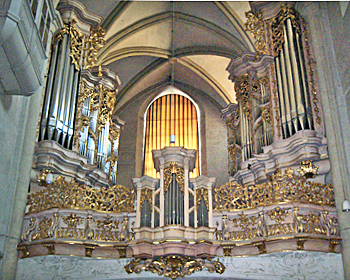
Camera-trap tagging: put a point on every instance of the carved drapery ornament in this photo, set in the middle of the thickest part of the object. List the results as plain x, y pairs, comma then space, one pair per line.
93, 43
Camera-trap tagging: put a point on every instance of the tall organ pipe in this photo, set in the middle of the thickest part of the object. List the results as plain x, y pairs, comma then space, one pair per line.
290, 82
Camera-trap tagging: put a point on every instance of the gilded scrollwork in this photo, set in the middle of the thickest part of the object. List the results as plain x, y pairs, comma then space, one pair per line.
202, 193
255, 24
31, 226
146, 194
248, 225
277, 26
42, 230
76, 42
275, 100
242, 88
82, 120
311, 71
94, 42
174, 266
72, 221
330, 222
107, 229
72, 195
179, 176
278, 214
312, 223
288, 187
308, 169
266, 115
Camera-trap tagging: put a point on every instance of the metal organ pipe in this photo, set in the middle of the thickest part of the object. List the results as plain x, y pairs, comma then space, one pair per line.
66, 108
306, 94
74, 98
63, 46
286, 94
49, 87
290, 82
281, 97
62, 93
299, 102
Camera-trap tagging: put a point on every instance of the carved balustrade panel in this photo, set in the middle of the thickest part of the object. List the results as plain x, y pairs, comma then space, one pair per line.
72, 195
288, 187
279, 221
75, 226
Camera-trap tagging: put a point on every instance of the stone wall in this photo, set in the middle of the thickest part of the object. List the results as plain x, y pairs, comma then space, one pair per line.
278, 266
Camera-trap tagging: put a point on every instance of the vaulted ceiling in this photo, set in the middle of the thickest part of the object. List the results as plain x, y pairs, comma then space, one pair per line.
152, 45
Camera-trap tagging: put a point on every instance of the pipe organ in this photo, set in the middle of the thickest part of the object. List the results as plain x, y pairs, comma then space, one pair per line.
275, 89
79, 99
277, 198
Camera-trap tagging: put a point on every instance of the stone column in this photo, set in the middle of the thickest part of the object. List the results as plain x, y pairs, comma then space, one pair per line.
334, 107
